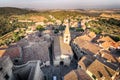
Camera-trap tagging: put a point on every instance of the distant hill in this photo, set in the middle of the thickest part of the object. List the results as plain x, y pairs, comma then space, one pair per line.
110, 15
13, 10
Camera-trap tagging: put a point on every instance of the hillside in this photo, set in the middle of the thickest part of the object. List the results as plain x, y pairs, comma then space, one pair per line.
12, 10
106, 23
110, 15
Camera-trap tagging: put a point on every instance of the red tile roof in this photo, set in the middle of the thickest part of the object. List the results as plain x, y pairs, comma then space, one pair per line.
13, 52
85, 61
101, 70
107, 42
78, 74
87, 46
107, 55
2, 51
88, 36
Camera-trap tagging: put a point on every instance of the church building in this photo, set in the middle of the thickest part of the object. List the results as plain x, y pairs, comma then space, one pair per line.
62, 48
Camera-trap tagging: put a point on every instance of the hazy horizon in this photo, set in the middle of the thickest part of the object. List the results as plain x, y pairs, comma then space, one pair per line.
61, 4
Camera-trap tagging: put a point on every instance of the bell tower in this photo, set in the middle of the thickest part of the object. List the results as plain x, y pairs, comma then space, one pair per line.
67, 36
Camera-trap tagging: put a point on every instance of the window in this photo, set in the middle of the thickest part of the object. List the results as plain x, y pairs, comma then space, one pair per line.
79, 66
100, 74
94, 77
1, 68
61, 63
66, 36
6, 76
66, 40
16, 60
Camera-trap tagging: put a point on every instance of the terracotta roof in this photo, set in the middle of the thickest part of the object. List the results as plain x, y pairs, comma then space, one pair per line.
36, 51
65, 48
56, 46
85, 37
85, 61
88, 36
91, 34
107, 55
13, 52
106, 42
101, 70
2, 51
34, 47
78, 74
118, 43
114, 44
106, 38
71, 76
87, 46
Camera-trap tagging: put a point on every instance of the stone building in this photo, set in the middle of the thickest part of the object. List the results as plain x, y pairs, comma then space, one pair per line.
61, 48
6, 72
15, 53
82, 47
102, 71
85, 61
29, 71
35, 47
106, 43
109, 57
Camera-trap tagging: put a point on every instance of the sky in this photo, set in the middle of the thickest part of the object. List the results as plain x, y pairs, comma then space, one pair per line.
61, 4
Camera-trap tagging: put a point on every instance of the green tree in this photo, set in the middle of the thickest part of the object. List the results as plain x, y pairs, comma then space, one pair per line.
16, 36
56, 31
40, 28
72, 28
79, 29
61, 27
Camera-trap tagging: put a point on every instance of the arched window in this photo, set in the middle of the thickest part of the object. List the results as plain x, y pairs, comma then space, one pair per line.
66, 36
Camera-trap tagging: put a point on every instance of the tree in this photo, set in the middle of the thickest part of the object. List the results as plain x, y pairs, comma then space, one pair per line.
40, 28
56, 31
115, 38
79, 29
16, 36
72, 28
61, 27
86, 24
97, 31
